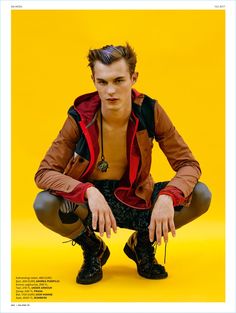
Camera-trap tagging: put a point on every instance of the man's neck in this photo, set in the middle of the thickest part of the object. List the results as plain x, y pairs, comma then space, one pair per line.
116, 118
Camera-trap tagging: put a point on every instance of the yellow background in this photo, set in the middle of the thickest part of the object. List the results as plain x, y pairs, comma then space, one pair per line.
180, 63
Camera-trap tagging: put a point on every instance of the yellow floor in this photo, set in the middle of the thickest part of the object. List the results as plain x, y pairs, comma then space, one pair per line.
195, 263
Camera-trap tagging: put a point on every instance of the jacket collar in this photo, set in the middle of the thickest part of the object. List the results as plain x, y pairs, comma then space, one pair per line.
88, 104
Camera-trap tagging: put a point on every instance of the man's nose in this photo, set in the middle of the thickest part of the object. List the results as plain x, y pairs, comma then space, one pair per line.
110, 89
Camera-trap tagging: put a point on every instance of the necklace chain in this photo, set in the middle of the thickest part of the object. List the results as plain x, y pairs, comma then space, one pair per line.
103, 164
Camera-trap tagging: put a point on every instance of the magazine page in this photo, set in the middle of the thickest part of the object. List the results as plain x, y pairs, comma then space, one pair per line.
80, 135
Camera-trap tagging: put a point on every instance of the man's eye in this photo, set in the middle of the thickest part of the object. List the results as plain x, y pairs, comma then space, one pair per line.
102, 83
119, 80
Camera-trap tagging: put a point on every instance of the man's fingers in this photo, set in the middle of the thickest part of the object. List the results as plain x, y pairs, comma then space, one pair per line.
151, 230
158, 232
108, 225
172, 227
101, 224
113, 222
104, 220
165, 231
94, 220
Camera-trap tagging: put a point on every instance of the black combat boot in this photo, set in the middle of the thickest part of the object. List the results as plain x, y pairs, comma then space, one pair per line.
95, 254
141, 251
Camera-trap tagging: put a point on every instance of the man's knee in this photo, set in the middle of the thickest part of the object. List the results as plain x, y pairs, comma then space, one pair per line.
201, 197
45, 204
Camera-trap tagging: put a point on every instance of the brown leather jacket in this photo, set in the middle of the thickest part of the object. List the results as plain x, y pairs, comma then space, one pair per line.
65, 166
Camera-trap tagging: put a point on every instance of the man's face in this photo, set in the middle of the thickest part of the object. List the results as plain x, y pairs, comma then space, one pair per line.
113, 83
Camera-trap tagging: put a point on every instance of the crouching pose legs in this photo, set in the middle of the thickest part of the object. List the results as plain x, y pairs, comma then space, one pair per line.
74, 221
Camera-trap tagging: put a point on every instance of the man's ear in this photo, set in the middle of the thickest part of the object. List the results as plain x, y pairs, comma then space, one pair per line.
134, 77
93, 79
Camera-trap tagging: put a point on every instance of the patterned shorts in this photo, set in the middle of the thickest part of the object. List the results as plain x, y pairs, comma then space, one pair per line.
127, 217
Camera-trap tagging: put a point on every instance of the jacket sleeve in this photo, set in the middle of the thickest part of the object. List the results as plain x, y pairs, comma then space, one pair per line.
177, 152
50, 173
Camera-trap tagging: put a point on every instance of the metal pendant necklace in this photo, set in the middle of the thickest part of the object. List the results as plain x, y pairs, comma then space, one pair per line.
103, 164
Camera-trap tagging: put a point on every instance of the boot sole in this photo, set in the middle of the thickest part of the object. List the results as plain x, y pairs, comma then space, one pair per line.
91, 281
130, 254
99, 276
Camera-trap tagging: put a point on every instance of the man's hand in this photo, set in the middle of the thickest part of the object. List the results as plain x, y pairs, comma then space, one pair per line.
101, 212
162, 219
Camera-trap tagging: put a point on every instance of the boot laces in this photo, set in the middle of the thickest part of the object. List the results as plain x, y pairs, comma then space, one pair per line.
147, 253
165, 252
73, 243
91, 260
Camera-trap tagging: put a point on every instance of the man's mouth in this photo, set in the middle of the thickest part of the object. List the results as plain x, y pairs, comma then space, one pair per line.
112, 99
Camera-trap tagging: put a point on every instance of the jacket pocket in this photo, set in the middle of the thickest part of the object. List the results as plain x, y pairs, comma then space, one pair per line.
76, 166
